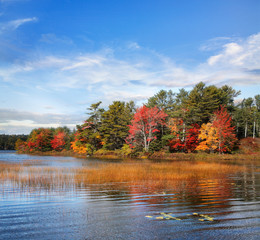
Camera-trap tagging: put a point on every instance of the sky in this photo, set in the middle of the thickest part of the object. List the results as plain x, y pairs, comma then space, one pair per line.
58, 57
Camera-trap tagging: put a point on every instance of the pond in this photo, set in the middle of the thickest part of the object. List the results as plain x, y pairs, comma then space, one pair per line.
224, 206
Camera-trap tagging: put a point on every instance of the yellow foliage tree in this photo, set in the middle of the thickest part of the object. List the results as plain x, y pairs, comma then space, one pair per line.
209, 138
77, 148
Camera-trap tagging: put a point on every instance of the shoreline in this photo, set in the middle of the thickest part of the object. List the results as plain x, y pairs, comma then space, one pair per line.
157, 156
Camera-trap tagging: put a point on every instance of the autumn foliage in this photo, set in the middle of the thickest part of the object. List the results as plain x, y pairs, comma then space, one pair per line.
145, 125
151, 129
45, 139
218, 135
184, 139
58, 141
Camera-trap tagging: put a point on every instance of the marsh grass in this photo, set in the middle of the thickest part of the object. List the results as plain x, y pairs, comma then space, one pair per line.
24, 176
129, 172
205, 157
152, 172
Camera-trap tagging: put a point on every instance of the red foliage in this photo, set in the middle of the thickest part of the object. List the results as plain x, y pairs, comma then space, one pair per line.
58, 142
187, 143
144, 126
192, 138
40, 140
225, 131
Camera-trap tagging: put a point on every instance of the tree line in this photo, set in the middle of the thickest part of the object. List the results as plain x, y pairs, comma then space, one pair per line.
7, 142
203, 119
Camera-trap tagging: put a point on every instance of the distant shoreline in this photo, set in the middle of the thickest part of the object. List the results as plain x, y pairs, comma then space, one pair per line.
164, 156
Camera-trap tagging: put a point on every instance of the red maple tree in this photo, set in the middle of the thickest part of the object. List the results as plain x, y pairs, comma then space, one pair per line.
187, 140
144, 126
58, 141
225, 131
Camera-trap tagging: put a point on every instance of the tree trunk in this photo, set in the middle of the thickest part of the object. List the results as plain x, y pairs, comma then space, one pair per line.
254, 130
246, 130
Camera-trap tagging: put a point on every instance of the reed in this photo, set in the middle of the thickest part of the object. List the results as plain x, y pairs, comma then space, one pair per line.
138, 172
144, 172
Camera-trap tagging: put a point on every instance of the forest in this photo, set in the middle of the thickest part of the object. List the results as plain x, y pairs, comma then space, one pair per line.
205, 119
7, 142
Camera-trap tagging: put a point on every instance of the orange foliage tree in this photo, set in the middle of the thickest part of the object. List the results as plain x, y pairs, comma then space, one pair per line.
217, 135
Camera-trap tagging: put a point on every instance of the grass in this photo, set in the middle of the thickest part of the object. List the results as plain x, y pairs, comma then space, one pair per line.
130, 172
148, 172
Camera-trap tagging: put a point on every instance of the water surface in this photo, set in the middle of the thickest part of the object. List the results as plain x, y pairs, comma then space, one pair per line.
209, 208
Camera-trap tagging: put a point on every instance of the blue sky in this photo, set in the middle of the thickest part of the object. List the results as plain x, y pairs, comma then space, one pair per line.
58, 57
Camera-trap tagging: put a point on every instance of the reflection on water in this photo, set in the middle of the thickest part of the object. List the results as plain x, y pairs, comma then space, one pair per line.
119, 210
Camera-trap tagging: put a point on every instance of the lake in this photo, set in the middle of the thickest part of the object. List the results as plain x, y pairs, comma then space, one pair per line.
223, 207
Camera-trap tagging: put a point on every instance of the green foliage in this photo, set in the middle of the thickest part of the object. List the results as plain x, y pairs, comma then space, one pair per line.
114, 127
126, 150
163, 100
7, 142
204, 100
247, 118
155, 146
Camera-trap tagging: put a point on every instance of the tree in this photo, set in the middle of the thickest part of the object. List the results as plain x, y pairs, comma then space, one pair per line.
58, 142
40, 139
227, 95
204, 100
21, 146
95, 114
184, 138
192, 138
176, 142
144, 126
208, 137
164, 100
115, 124
8, 142
218, 135
89, 131
256, 130
225, 131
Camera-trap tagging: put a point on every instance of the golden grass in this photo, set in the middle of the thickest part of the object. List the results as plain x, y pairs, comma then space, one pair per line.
136, 172
124, 172
34, 176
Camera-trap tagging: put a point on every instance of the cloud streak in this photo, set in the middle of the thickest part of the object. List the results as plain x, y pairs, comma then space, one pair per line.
14, 24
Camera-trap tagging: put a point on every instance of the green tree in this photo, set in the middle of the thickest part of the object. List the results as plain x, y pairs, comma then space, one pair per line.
204, 100
163, 100
114, 127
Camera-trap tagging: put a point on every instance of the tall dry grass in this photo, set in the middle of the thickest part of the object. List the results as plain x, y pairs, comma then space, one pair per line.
136, 172
124, 172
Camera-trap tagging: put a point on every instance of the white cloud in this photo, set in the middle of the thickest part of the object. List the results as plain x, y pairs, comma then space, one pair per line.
133, 45
26, 126
14, 24
109, 75
245, 54
14, 121
140, 73
152, 69
236, 63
